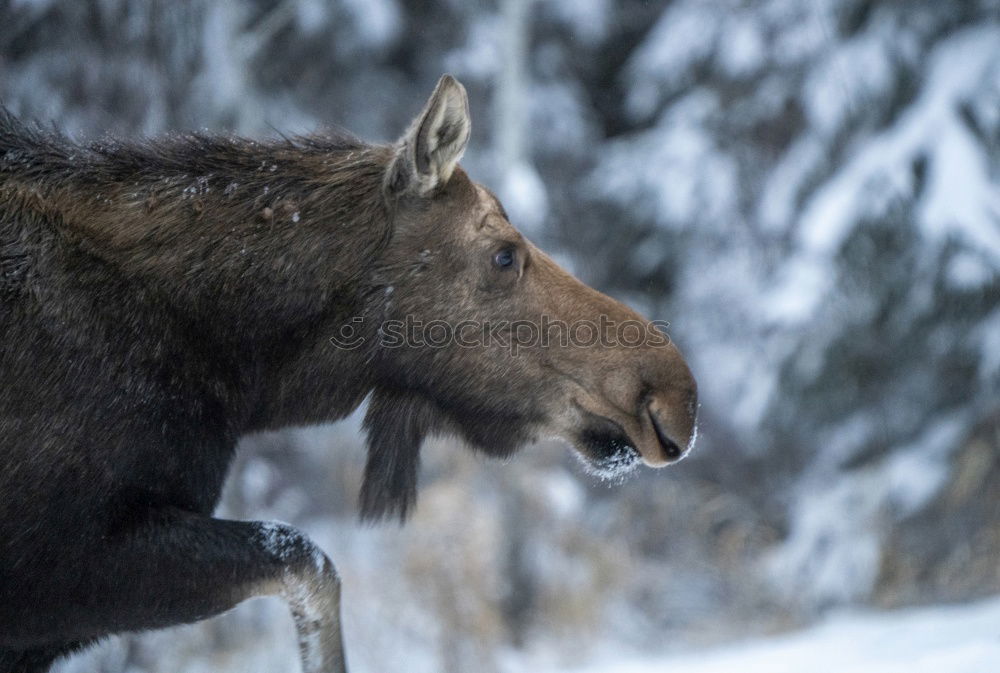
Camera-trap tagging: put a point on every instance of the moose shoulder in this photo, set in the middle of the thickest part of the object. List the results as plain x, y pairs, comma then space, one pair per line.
160, 299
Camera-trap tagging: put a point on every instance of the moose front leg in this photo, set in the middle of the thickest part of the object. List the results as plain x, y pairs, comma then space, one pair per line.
312, 591
178, 567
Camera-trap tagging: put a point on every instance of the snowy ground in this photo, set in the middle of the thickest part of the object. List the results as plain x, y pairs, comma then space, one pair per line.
953, 639
941, 639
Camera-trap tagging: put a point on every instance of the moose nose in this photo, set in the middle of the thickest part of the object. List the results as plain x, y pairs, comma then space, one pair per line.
673, 418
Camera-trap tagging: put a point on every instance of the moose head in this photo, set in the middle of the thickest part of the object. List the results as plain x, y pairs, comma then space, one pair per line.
484, 336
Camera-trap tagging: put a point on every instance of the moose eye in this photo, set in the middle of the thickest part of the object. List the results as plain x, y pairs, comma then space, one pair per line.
504, 259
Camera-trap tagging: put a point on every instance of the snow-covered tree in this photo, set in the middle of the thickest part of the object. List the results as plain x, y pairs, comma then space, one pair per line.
811, 192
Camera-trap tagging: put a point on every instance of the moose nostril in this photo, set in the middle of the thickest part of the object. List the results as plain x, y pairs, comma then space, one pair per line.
671, 451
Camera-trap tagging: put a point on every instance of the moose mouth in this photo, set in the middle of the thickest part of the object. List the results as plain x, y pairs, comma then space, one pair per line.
607, 450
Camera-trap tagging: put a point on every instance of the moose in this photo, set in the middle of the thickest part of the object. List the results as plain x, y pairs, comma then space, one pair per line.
161, 298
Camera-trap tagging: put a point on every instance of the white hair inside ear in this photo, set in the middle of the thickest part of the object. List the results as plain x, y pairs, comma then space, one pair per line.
428, 152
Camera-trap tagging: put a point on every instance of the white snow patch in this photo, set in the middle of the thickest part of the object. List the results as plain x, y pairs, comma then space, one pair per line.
832, 553
675, 172
743, 50
524, 197
479, 57
849, 76
377, 22
685, 34
564, 494
960, 199
940, 639
311, 15
588, 19
284, 541
968, 271
838, 519
560, 117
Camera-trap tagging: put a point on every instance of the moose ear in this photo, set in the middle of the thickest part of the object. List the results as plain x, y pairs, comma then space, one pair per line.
427, 153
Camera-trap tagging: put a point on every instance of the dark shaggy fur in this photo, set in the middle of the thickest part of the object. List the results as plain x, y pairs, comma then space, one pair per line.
157, 301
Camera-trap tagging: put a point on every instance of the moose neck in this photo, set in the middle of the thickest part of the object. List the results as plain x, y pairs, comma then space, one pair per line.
248, 237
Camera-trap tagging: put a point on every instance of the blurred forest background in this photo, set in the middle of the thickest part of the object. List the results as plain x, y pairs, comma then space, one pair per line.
809, 191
